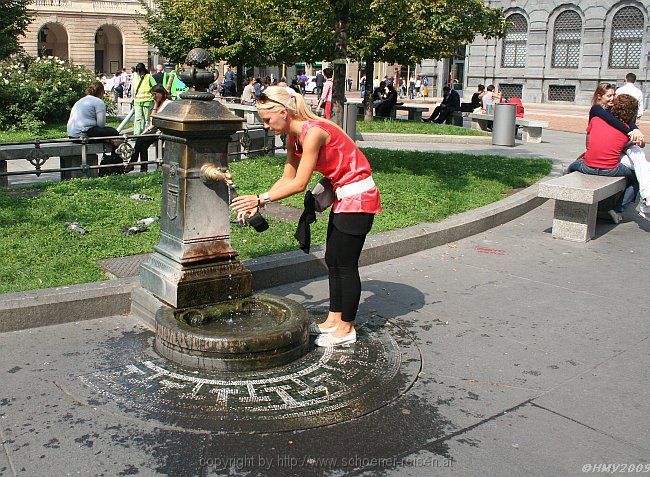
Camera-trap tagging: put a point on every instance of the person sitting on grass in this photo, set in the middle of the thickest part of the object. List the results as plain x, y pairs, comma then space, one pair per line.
602, 157
88, 116
450, 103
140, 151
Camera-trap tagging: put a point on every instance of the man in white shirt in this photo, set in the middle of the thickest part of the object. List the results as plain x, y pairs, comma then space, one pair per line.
633, 91
249, 92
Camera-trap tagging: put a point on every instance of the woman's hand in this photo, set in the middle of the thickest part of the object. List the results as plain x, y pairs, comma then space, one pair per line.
242, 217
637, 138
244, 203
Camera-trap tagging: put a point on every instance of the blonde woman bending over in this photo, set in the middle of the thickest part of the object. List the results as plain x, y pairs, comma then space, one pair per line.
316, 144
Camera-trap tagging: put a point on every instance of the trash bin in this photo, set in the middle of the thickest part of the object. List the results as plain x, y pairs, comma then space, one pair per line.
350, 120
504, 126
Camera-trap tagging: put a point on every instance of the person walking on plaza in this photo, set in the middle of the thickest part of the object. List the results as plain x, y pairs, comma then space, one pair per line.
636, 93
159, 75
88, 116
118, 85
320, 81
128, 88
142, 98
316, 144
325, 100
450, 103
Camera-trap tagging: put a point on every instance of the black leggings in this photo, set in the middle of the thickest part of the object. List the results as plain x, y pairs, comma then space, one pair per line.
346, 234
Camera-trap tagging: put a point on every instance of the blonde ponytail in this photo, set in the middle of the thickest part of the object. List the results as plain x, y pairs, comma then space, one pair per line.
280, 98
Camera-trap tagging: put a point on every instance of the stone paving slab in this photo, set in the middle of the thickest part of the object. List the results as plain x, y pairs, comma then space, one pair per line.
620, 382
533, 442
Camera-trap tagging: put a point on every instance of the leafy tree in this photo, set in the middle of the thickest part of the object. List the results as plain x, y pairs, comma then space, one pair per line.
403, 31
258, 33
13, 23
408, 31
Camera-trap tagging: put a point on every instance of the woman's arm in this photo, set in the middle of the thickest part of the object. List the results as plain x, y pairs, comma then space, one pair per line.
296, 175
290, 166
609, 118
635, 135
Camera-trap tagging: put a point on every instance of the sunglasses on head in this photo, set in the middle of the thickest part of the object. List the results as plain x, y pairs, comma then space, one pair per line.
263, 98
608, 85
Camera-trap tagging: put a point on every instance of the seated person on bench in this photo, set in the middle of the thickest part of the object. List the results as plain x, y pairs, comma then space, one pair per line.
476, 100
386, 106
88, 115
602, 157
450, 103
149, 135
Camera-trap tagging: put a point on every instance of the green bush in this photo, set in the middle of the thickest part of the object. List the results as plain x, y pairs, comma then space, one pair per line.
35, 91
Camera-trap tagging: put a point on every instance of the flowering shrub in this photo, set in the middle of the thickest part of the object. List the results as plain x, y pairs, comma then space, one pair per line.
38, 90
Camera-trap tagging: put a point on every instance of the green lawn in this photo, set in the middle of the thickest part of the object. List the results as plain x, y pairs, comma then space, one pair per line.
39, 251
413, 127
49, 131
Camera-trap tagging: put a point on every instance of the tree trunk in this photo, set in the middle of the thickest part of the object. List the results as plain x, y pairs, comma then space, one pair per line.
367, 97
342, 12
240, 78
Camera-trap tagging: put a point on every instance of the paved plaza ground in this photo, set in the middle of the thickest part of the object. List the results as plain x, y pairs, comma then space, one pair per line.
534, 361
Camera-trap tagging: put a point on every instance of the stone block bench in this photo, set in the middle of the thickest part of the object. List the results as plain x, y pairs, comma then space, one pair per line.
531, 129
576, 202
414, 112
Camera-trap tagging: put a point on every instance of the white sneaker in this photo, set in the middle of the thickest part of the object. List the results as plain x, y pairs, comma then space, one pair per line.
644, 215
315, 329
617, 217
328, 341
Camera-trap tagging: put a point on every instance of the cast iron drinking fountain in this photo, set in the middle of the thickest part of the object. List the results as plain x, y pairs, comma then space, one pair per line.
225, 359
193, 285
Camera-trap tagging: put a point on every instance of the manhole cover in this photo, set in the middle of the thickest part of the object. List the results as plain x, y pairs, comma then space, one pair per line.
324, 387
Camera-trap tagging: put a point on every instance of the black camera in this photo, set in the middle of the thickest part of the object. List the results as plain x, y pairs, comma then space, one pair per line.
258, 222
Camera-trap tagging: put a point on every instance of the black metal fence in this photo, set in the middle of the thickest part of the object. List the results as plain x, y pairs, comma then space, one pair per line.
79, 157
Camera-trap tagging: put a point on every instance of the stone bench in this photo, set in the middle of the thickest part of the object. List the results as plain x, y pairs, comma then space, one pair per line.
68, 152
414, 112
576, 202
531, 129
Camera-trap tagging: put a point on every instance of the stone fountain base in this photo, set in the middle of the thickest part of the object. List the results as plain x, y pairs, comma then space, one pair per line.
258, 332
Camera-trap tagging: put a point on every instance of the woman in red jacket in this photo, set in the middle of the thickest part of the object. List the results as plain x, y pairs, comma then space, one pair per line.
316, 144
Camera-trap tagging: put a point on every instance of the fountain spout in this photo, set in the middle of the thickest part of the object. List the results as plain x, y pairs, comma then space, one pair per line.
211, 173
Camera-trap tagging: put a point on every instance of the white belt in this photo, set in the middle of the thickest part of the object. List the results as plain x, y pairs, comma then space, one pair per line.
348, 190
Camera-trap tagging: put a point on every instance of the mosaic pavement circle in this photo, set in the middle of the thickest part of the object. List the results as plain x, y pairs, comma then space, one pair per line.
324, 387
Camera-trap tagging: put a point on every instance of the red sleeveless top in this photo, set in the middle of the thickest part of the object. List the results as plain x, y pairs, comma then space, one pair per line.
342, 162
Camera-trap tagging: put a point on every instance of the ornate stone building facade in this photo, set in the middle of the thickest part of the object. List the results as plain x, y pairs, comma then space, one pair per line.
557, 51
104, 35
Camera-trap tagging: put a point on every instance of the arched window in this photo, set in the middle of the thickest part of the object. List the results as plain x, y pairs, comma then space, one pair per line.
627, 37
566, 40
514, 44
